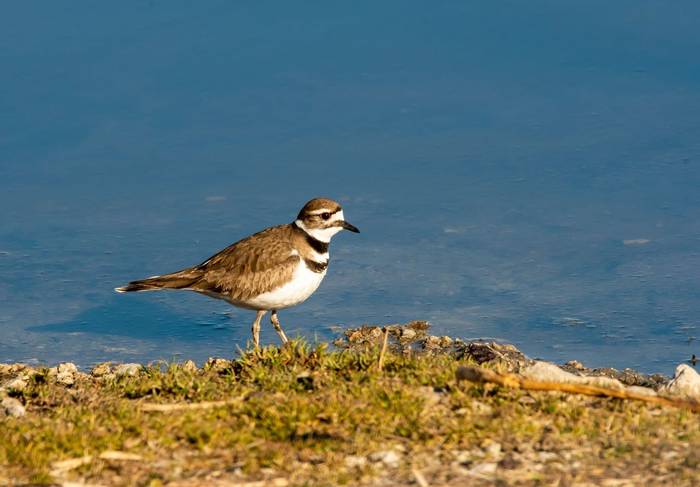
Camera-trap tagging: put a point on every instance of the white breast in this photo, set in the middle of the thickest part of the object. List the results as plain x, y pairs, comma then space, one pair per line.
303, 284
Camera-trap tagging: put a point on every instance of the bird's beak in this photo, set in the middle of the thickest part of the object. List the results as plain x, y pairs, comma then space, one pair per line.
350, 227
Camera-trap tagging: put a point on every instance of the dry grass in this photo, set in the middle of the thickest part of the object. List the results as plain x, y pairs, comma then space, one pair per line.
304, 415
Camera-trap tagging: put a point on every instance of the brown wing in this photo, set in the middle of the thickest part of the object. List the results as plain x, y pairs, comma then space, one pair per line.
250, 266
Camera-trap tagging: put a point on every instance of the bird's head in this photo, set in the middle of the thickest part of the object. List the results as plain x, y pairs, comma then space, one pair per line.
321, 218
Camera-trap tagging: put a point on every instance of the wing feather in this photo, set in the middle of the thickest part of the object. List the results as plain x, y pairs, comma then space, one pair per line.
250, 266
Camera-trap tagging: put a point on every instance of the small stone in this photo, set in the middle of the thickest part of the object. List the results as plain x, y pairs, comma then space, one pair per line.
11, 369
527, 400
509, 462
388, 457
306, 380
355, 461
13, 407
217, 364
546, 456
66, 367
575, 364
189, 366
65, 373
548, 372
464, 457
481, 408
429, 395
408, 334
65, 378
18, 384
445, 341
130, 370
486, 469
492, 449
102, 369
375, 332
686, 382
669, 455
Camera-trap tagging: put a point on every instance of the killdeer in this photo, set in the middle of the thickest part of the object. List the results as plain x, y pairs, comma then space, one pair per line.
273, 269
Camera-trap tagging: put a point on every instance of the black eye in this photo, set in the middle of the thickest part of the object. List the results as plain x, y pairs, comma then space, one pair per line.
325, 216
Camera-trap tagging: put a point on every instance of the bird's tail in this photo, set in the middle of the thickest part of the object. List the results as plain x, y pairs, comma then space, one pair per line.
177, 280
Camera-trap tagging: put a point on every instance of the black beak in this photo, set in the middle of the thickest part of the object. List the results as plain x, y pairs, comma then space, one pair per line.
352, 228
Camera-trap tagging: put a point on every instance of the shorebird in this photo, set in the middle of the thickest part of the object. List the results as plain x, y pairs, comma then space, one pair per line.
270, 270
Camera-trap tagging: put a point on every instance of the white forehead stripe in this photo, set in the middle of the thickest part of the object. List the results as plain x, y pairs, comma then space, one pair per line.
338, 216
324, 210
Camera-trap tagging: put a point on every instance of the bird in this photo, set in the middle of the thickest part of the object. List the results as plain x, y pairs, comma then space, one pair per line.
274, 269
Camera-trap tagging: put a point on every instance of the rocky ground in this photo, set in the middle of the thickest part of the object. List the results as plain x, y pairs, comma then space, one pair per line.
308, 415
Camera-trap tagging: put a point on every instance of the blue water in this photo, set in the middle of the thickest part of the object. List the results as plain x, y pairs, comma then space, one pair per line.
525, 171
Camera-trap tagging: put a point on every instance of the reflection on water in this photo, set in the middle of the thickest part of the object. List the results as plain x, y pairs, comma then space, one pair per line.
514, 176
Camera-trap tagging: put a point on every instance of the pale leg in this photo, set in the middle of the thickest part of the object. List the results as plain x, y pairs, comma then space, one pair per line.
256, 327
278, 328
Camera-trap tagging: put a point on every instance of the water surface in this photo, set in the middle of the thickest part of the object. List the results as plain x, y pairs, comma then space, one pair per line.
521, 171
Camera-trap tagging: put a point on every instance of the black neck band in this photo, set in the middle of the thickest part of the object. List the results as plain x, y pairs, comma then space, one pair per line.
316, 244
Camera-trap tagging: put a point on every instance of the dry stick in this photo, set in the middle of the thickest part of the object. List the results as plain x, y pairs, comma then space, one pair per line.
478, 374
166, 408
380, 365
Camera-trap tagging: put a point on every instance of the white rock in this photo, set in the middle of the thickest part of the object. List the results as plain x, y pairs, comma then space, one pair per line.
643, 391
481, 408
355, 461
483, 469
102, 369
130, 370
189, 366
493, 449
686, 382
388, 457
66, 368
408, 334
548, 372
13, 407
17, 384
546, 456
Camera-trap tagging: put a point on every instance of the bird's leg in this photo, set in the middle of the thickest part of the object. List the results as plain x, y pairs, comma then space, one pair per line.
278, 328
256, 328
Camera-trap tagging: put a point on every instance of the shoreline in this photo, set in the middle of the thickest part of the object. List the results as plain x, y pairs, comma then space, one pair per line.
312, 414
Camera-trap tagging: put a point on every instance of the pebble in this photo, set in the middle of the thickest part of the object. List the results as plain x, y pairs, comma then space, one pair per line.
546, 456
408, 334
527, 400
492, 449
685, 382
355, 461
429, 395
65, 373
388, 457
548, 372
189, 366
217, 364
575, 364
11, 369
18, 384
481, 408
13, 407
102, 369
129, 370
486, 469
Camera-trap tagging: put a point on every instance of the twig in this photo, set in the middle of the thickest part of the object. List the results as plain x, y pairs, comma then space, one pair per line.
478, 374
419, 478
380, 365
166, 408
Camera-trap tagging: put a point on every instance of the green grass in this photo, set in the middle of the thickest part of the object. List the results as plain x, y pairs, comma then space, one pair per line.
298, 412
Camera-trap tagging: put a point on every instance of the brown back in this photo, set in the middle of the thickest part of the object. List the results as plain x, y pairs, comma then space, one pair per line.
251, 266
